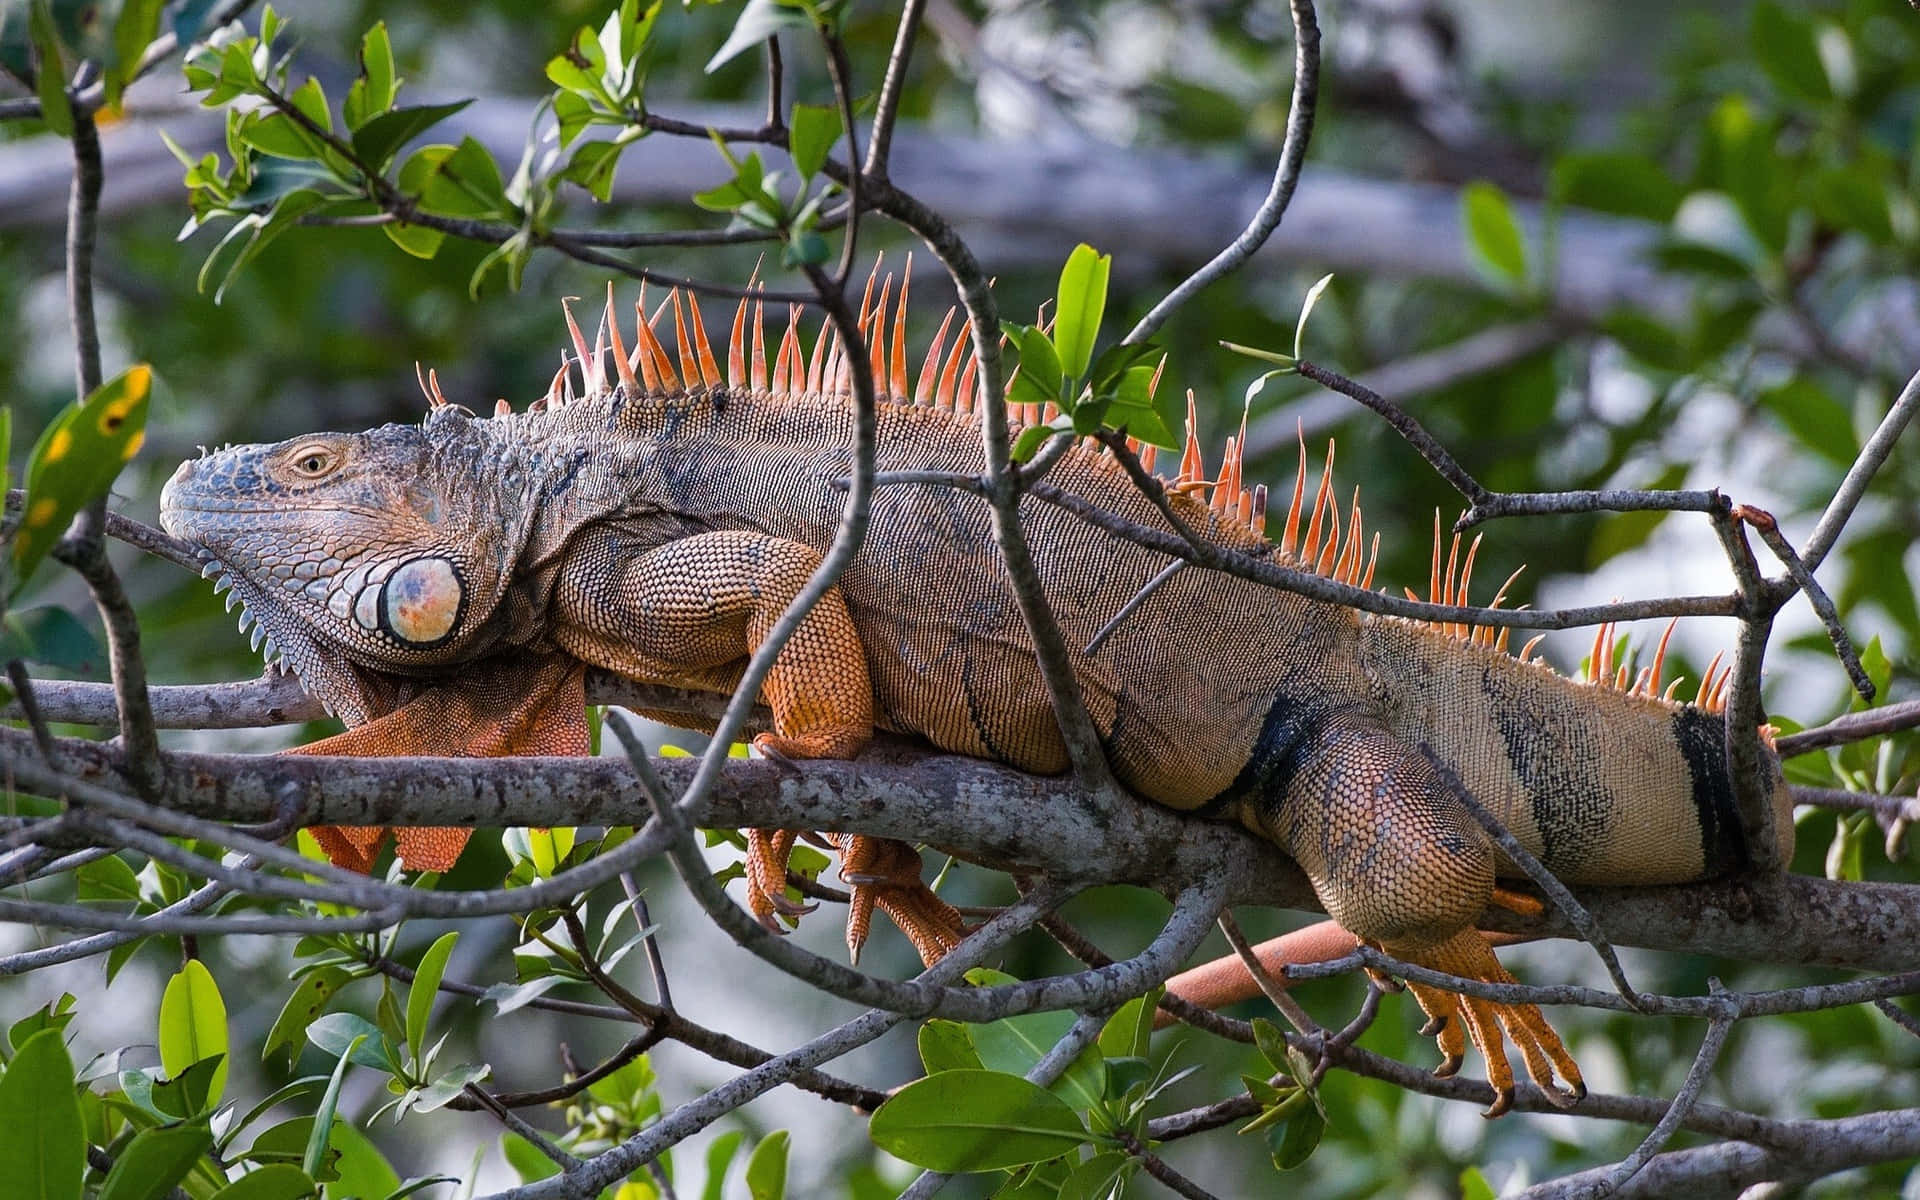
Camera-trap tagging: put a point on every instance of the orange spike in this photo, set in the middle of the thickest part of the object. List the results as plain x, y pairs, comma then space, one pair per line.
702, 348
1643, 682
923, 390
866, 297
654, 368
1310, 548
1502, 593
1500, 642
1048, 413
1354, 536
1243, 512
787, 371
1222, 495
627, 380
967, 381
1192, 466
817, 364
897, 379
557, 389
1373, 560
1673, 687
876, 336
1452, 572
1149, 453
1291, 532
501, 408
1324, 565
943, 396
1258, 517
737, 348
1600, 640
579, 342
1533, 643
1433, 572
759, 375
433, 386
1660, 656
688, 371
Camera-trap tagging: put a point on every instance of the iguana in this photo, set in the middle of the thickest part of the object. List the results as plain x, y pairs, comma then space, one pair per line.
443, 586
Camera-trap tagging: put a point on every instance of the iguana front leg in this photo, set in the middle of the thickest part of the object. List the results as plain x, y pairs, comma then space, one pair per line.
690, 613
511, 705
1398, 862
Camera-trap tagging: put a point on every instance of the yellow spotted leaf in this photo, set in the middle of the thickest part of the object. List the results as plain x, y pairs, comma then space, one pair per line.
77, 460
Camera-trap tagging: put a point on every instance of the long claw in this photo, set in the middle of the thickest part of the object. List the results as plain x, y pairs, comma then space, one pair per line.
1456, 1019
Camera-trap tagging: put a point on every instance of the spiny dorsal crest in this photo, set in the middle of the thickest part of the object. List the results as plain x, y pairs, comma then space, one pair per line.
945, 382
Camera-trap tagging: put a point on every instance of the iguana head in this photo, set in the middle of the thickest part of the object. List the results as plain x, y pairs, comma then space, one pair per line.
382, 552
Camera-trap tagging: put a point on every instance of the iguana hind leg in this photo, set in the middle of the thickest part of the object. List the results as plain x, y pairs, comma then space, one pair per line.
691, 613
512, 705
1397, 860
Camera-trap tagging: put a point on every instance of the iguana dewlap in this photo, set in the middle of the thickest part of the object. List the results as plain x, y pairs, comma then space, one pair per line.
441, 587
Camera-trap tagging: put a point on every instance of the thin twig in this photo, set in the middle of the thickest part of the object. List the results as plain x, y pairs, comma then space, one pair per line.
1683, 1100
1286, 174
1868, 463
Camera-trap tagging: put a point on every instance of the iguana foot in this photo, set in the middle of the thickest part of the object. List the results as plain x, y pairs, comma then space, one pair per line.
767, 852
1455, 1018
884, 874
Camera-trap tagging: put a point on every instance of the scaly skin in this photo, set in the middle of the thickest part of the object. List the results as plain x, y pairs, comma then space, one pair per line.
412, 574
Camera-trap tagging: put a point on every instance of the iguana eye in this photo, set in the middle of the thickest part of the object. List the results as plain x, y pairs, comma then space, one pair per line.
313, 461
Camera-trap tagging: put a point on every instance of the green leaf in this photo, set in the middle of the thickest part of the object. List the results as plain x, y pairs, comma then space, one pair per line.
364, 1171
1016, 1044
281, 136
426, 985
592, 167
460, 181
767, 1168
1034, 436
720, 1152
317, 1138
1784, 45
1079, 303
758, 21
1272, 1044
376, 142
155, 1160
76, 460
805, 248
55, 1015
1817, 420
348, 1035
1493, 231
1294, 1141
372, 93
193, 1024
136, 26
42, 1142
1314, 293
975, 1121
304, 1005
946, 1046
50, 71
1474, 1185
1038, 378
275, 1181
812, 130
51, 635
416, 240
1630, 185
